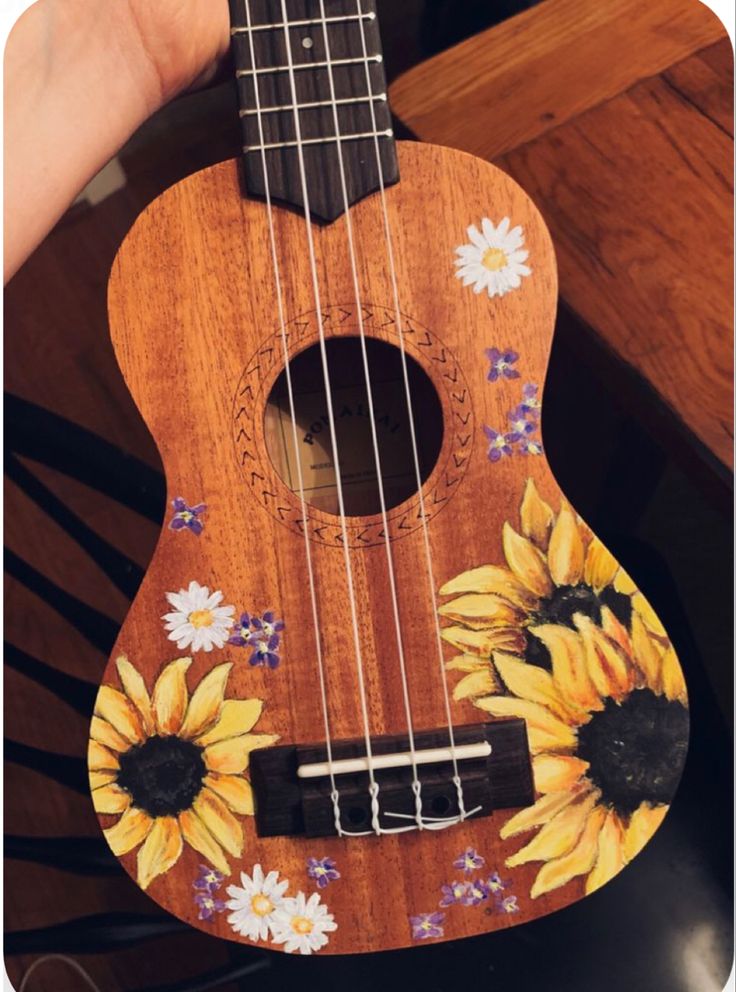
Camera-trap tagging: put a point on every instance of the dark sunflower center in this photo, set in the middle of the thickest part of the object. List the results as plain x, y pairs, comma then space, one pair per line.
636, 750
562, 606
163, 775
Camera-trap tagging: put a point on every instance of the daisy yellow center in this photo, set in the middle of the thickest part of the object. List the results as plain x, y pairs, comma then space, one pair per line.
494, 259
301, 925
261, 905
201, 618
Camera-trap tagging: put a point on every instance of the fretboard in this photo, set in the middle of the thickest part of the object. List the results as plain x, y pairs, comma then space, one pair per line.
264, 49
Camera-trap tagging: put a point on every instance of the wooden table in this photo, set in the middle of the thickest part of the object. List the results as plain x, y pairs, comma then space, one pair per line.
616, 116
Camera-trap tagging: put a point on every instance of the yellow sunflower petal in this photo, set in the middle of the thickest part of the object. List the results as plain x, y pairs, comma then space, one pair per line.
673, 681
566, 553
644, 608
623, 583
533, 683
170, 697
160, 851
231, 756
104, 733
536, 516
569, 670
220, 822
200, 839
110, 799
115, 707
558, 835
647, 653
481, 610
541, 812
206, 702
526, 562
99, 778
467, 663
600, 565
135, 689
494, 580
132, 828
485, 642
644, 823
557, 772
607, 665
537, 718
612, 626
475, 684
101, 758
578, 861
610, 854
237, 716
235, 790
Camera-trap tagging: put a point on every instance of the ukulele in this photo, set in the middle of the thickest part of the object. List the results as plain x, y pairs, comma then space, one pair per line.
381, 686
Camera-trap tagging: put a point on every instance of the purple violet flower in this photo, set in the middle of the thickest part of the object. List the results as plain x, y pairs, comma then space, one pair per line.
530, 403
520, 426
475, 893
453, 893
242, 634
427, 925
469, 861
499, 444
495, 884
501, 362
267, 625
323, 871
265, 653
208, 905
509, 905
187, 517
208, 880
530, 447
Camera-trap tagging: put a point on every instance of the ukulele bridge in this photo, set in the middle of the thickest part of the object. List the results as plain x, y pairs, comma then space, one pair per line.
293, 792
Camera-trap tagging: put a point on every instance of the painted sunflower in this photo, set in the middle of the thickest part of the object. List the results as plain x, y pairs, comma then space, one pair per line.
591, 671
173, 766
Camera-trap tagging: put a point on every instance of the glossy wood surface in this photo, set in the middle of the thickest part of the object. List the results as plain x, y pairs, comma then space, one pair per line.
195, 327
618, 124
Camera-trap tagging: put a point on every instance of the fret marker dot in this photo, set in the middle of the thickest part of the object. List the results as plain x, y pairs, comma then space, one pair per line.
308, 42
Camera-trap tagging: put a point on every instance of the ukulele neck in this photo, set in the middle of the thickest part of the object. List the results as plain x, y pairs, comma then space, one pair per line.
314, 113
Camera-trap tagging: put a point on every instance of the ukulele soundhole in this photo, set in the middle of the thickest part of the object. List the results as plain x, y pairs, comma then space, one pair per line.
443, 424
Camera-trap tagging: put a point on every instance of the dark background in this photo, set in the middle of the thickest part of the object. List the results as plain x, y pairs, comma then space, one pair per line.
663, 924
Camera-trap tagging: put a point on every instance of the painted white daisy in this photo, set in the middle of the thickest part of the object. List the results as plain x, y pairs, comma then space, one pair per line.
198, 621
494, 260
255, 905
302, 924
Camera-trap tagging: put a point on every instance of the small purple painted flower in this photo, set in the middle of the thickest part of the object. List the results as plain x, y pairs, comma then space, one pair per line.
530, 402
427, 925
495, 884
469, 861
530, 447
501, 362
242, 635
265, 653
323, 871
208, 905
453, 893
267, 625
208, 880
520, 426
475, 893
187, 517
509, 905
499, 444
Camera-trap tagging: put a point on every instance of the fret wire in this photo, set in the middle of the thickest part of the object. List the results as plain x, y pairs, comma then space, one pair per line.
380, 97
309, 22
388, 133
264, 70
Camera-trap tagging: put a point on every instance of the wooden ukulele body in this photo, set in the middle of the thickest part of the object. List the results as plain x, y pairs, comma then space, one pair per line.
195, 324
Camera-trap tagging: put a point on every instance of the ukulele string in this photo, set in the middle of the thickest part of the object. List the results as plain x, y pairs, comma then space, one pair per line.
456, 780
416, 783
373, 784
334, 793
